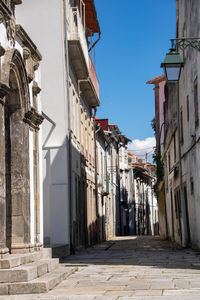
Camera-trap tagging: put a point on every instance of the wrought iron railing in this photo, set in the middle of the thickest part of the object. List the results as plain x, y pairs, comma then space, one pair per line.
77, 30
7, 3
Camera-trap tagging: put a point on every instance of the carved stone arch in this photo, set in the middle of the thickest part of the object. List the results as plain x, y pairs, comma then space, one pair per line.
13, 66
17, 168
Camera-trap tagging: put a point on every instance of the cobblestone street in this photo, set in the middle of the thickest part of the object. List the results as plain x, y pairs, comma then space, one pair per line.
129, 268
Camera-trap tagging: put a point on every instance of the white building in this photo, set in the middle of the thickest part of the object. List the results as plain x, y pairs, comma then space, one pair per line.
143, 207
62, 30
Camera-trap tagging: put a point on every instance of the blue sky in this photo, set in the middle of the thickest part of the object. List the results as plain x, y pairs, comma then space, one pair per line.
135, 39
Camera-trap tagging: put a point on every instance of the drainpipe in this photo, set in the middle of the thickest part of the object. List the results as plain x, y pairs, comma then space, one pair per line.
95, 43
69, 128
51, 130
119, 192
143, 229
182, 215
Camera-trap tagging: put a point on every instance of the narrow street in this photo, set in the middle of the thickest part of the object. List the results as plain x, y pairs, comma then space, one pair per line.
129, 268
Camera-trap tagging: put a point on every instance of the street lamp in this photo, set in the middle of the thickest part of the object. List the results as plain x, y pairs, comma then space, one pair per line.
172, 66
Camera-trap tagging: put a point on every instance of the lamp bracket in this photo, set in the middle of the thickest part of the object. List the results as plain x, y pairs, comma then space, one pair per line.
183, 43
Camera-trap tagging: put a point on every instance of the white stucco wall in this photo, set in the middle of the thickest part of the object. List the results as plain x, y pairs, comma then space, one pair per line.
43, 21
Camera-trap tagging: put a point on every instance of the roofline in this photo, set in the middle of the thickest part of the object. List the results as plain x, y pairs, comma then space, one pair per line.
156, 79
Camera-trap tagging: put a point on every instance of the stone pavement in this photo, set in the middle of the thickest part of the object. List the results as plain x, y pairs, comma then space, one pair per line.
129, 268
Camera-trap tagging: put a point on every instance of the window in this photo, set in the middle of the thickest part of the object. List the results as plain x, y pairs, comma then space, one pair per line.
196, 105
188, 109
169, 162
192, 185
181, 117
177, 200
174, 148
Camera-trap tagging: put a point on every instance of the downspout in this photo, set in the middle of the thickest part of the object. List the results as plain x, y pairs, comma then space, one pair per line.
134, 203
107, 144
119, 192
95, 43
51, 130
69, 128
182, 214
143, 214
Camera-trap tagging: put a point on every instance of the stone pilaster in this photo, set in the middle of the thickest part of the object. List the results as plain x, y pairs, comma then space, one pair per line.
3, 248
20, 185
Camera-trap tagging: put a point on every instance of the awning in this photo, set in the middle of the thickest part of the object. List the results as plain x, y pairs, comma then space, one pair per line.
92, 22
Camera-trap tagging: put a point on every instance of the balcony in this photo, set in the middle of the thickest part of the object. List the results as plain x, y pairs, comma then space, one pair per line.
90, 87
78, 49
80, 61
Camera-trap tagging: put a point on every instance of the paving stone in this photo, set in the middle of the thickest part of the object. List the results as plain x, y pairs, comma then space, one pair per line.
138, 285
161, 284
181, 283
132, 268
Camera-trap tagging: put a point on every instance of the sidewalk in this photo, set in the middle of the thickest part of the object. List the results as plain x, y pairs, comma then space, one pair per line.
129, 268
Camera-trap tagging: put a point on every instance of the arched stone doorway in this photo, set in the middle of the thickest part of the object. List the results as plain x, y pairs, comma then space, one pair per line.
16, 103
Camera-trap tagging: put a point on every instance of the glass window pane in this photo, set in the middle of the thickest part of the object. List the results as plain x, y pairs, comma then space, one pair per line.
173, 73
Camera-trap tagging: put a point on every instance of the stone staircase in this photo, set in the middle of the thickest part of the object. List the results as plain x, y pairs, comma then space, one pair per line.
31, 273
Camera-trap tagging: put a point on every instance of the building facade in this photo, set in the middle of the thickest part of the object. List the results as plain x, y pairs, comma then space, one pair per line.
160, 128
21, 196
70, 96
143, 206
180, 154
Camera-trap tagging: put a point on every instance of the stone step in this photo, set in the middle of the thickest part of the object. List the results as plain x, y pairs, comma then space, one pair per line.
29, 271
15, 260
46, 253
53, 263
39, 285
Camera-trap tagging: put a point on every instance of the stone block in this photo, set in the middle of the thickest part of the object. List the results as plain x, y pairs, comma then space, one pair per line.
10, 262
19, 274
27, 288
53, 264
3, 289
46, 253
42, 268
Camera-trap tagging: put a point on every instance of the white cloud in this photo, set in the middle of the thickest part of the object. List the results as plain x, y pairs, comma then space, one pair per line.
141, 147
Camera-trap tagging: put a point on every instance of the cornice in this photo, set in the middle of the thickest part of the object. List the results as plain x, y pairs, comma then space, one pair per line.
26, 40
33, 118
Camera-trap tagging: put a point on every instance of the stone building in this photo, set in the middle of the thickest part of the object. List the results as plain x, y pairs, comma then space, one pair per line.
67, 39
180, 153
186, 206
160, 130
21, 197
24, 263
142, 202
108, 177
102, 179
115, 176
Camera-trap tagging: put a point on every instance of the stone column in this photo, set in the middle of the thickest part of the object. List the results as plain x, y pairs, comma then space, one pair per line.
20, 182
3, 248
38, 243
36, 90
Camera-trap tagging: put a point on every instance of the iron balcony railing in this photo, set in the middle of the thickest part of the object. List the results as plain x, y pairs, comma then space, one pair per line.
77, 30
7, 3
